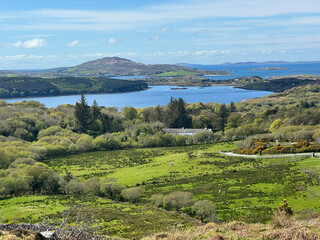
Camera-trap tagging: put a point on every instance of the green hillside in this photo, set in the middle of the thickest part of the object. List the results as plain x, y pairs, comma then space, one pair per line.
32, 86
115, 66
242, 189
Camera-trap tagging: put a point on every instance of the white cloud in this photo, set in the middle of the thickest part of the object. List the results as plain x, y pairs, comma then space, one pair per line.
155, 38
113, 40
202, 53
94, 55
202, 31
304, 21
266, 51
34, 36
160, 14
33, 43
27, 57
72, 56
162, 30
73, 43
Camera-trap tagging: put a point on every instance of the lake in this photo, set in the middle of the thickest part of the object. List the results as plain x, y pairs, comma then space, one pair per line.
249, 70
156, 95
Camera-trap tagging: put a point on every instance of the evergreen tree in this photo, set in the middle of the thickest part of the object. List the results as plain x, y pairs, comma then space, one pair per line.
232, 107
182, 120
170, 114
95, 111
82, 115
176, 114
95, 124
222, 116
157, 114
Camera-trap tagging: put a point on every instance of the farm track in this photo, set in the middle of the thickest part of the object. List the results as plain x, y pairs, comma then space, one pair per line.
231, 154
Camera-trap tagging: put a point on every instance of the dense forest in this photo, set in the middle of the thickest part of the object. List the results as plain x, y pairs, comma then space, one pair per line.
32, 86
274, 85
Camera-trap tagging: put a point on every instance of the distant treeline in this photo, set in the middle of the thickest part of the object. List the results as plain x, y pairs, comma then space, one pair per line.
274, 85
30, 87
280, 85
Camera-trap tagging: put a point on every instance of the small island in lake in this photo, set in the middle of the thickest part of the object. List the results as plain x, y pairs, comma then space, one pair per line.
179, 88
268, 68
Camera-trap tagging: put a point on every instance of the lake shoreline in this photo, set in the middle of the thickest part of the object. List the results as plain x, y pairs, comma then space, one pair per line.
72, 94
156, 95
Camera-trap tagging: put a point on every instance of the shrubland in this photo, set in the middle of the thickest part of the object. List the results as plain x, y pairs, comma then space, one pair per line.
94, 153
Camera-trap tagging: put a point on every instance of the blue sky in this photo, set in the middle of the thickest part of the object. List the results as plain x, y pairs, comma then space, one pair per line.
38, 34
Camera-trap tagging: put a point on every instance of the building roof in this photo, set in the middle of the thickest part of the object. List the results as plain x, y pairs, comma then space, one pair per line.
189, 131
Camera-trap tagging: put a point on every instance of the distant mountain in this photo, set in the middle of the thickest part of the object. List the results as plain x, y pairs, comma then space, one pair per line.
5, 73
115, 66
246, 63
265, 63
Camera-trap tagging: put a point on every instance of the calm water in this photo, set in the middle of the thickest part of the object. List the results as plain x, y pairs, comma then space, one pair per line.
156, 95
161, 94
245, 70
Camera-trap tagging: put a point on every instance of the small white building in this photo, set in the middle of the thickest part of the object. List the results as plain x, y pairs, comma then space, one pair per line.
185, 131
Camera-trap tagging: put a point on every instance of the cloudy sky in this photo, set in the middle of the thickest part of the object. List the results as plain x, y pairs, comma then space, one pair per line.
38, 34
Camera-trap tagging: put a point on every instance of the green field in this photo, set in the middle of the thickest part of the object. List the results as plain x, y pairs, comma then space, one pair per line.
113, 218
241, 188
176, 73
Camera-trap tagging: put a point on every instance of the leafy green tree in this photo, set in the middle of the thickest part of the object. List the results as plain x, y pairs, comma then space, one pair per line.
6, 158
93, 186
205, 209
178, 200
74, 187
130, 113
234, 120
39, 174
276, 125
84, 143
200, 121
132, 194
146, 114
157, 199
111, 188
157, 114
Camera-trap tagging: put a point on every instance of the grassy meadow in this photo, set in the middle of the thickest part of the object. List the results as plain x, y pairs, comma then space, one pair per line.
242, 189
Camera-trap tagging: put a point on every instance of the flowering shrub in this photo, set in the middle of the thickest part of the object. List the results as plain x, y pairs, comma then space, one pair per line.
284, 207
277, 149
300, 144
258, 146
255, 147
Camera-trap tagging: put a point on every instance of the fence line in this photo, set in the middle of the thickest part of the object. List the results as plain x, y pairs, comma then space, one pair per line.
312, 154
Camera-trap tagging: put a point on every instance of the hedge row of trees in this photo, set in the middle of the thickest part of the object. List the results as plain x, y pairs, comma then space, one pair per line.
183, 202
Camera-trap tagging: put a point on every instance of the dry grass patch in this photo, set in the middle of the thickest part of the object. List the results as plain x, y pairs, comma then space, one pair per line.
298, 230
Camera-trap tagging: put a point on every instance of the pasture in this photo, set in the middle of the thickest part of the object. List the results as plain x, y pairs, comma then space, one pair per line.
242, 189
